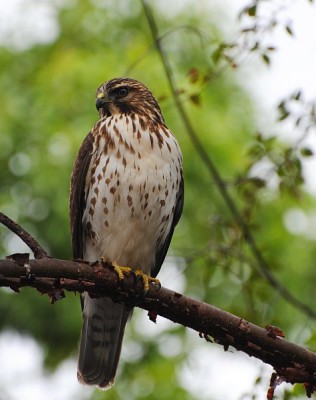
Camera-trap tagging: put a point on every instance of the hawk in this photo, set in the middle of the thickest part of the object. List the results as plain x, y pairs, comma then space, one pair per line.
126, 198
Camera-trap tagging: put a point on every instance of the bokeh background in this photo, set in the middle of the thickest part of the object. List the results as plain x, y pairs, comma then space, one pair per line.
53, 56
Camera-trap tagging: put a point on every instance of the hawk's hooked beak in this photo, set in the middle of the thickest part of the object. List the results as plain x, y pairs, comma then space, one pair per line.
101, 100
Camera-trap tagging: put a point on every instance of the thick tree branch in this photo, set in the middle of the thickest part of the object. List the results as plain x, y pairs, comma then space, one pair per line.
292, 363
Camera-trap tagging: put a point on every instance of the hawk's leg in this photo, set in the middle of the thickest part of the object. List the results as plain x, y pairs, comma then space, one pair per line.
147, 280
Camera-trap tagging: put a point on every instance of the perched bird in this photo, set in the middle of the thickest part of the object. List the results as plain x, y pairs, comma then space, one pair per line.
126, 198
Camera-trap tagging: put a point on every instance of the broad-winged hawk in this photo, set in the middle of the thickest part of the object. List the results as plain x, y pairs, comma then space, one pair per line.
126, 199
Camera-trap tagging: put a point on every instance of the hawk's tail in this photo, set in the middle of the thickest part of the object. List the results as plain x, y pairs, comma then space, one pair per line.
101, 340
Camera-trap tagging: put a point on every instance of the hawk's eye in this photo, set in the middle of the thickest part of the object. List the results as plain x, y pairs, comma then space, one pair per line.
122, 92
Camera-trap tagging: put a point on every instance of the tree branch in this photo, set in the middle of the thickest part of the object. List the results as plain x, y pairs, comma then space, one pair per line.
291, 362
38, 251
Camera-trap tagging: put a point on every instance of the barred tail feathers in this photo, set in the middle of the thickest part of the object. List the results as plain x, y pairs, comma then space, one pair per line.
101, 340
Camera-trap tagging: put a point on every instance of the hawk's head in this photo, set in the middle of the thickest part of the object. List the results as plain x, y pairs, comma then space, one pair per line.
126, 96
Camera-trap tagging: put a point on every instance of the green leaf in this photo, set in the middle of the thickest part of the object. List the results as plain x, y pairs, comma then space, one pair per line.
289, 30
307, 152
284, 113
217, 54
297, 95
251, 11
266, 58
195, 99
257, 151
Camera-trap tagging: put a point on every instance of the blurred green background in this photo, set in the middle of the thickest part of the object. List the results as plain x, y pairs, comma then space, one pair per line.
47, 108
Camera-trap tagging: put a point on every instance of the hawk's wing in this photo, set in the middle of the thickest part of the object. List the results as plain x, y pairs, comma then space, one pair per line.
77, 195
163, 248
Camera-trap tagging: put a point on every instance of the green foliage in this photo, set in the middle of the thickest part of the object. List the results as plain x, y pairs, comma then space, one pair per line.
48, 108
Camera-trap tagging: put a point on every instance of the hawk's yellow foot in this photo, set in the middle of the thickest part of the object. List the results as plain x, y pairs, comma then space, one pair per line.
146, 280
120, 270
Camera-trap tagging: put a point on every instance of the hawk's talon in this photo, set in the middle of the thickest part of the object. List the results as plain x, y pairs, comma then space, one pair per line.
155, 282
121, 271
147, 280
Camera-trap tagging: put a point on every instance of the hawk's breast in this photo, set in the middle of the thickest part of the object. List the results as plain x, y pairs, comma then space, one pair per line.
131, 190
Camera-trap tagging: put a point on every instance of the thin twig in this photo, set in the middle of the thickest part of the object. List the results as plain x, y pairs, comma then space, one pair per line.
262, 265
36, 248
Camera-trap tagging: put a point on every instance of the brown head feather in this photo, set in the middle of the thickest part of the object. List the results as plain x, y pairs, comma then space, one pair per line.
127, 96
